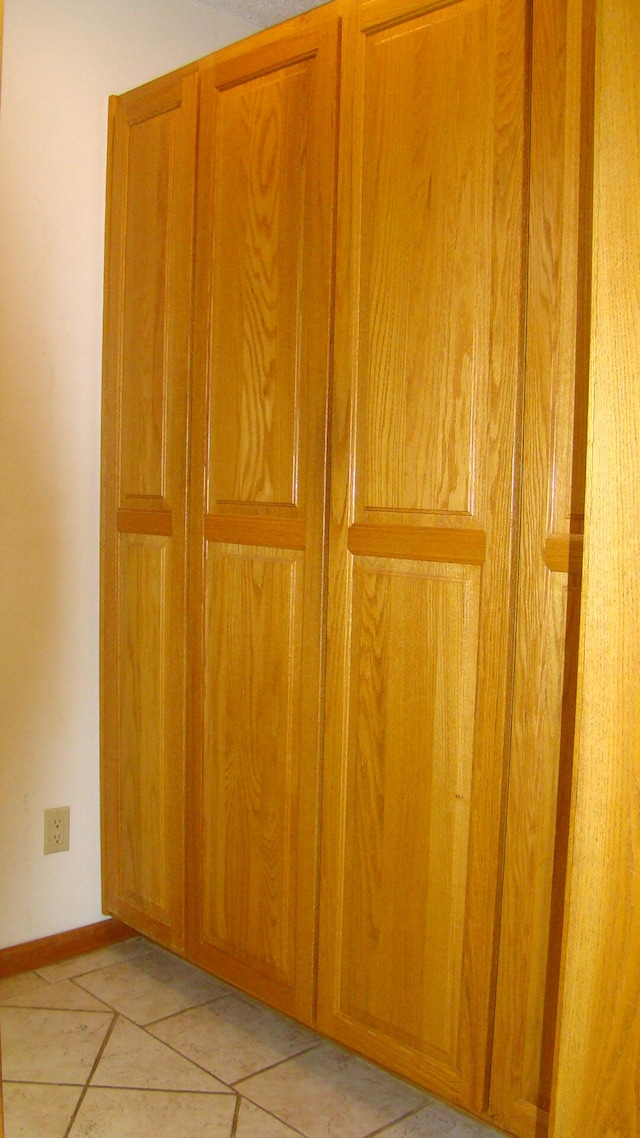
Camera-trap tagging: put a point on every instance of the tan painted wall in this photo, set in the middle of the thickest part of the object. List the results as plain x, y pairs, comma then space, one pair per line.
61, 61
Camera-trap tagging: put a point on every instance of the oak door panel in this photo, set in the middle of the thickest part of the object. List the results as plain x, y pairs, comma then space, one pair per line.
425, 260
144, 848
147, 328
427, 390
251, 756
261, 365
259, 265
408, 788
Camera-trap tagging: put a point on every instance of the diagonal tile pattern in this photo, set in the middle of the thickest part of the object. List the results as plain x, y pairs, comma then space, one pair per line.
130, 1042
132, 1058
30, 991
234, 1037
152, 986
329, 1094
40, 1046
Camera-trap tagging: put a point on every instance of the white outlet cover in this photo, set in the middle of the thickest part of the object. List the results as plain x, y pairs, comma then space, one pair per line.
56, 829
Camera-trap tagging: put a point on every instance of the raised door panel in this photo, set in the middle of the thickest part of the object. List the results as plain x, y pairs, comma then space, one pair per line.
264, 282
251, 736
429, 322
414, 637
147, 325
549, 568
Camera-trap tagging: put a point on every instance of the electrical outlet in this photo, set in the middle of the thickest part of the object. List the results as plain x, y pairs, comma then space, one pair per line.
56, 829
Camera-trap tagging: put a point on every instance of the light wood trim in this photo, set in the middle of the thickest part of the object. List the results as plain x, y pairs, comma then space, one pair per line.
596, 1075
563, 552
157, 523
413, 543
62, 946
273, 533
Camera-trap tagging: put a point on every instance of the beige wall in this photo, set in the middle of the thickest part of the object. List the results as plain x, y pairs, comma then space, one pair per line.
62, 58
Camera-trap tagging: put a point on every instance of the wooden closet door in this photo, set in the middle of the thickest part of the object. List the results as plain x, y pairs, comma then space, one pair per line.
262, 334
427, 377
549, 572
147, 329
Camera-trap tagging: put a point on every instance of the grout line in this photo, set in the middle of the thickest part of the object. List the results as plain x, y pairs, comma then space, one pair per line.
206, 1070
99, 968
161, 1090
278, 1063
107, 1037
231, 1088
291, 1126
236, 1115
40, 1083
190, 1008
105, 1010
181, 1055
382, 1130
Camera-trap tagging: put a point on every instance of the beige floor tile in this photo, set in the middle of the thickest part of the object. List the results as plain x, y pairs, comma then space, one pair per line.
31, 991
91, 961
152, 986
439, 1121
132, 1058
33, 1111
327, 1093
256, 1123
41, 1046
108, 1113
234, 1037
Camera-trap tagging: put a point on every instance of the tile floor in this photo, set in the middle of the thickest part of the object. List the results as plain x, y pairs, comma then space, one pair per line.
130, 1042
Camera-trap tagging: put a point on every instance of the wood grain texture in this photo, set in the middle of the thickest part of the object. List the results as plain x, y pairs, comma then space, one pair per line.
251, 768
276, 533
429, 322
144, 796
150, 153
151, 522
548, 604
563, 552
464, 547
426, 248
145, 399
596, 1082
261, 369
260, 202
408, 796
